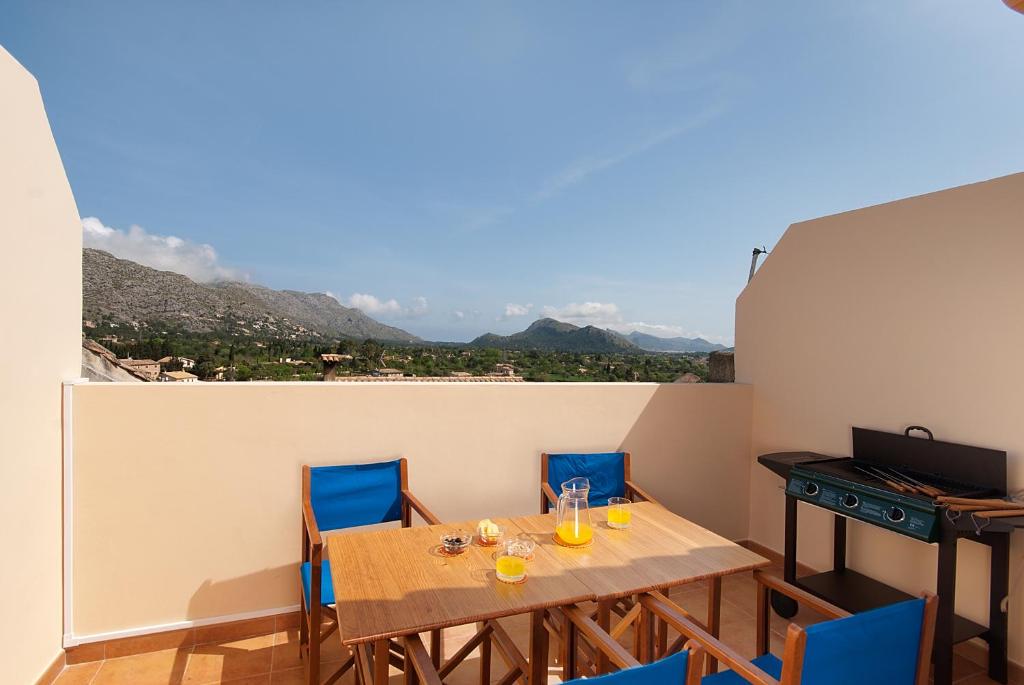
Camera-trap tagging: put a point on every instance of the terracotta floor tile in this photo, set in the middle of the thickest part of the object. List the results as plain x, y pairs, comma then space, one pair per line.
221, 662
741, 636
156, 668
79, 674
286, 650
296, 676
251, 680
964, 668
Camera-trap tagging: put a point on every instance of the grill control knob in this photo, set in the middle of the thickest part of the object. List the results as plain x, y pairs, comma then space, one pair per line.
895, 514
811, 489
850, 500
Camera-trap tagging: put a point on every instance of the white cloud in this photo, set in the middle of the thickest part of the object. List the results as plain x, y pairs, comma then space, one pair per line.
660, 330
513, 310
198, 261
370, 304
419, 306
458, 315
592, 313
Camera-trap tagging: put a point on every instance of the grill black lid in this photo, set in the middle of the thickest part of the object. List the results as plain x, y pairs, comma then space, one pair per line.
979, 466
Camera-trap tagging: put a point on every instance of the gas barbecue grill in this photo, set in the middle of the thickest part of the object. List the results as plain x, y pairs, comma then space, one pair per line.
891, 482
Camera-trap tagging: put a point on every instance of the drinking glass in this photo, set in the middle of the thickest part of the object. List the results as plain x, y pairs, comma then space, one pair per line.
513, 552
619, 515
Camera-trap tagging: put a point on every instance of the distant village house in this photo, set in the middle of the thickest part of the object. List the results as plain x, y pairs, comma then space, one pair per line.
178, 377
147, 368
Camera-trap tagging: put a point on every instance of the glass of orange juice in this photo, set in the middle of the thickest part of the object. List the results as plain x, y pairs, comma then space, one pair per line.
512, 556
619, 515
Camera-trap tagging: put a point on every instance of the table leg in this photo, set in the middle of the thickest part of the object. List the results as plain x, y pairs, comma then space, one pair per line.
436, 647
714, 616
569, 647
604, 622
381, 662
538, 649
364, 671
645, 635
411, 676
485, 656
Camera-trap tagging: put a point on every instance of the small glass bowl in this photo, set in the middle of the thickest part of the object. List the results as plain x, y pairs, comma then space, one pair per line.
490, 540
456, 541
520, 545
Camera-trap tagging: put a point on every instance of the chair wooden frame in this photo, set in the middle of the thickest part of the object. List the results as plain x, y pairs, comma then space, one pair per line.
655, 604
490, 638
579, 623
313, 615
548, 497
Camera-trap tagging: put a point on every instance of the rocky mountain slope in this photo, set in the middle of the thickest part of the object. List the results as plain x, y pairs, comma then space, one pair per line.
653, 343
557, 336
121, 291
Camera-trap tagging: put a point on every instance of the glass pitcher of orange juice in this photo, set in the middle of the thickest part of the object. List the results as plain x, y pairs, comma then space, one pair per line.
573, 523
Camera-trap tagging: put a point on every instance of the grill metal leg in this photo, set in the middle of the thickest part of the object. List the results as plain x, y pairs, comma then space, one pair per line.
789, 560
839, 543
999, 587
946, 586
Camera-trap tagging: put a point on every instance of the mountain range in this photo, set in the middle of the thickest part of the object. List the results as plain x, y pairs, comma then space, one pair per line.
127, 293
653, 343
124, 292
550, 335
558, 336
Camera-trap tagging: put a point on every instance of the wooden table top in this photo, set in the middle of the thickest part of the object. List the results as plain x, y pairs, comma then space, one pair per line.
394, 582
659, 550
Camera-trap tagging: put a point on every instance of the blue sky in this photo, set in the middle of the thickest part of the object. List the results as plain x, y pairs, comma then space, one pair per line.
455, 168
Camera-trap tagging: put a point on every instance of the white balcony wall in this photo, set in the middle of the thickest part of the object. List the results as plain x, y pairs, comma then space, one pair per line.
186, 497
40, 346
906, 313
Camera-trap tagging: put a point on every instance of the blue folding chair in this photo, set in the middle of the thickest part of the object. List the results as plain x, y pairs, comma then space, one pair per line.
890, 645
608, 473
336, 497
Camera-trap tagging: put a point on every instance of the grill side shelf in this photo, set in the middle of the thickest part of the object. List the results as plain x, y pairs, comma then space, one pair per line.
780, 463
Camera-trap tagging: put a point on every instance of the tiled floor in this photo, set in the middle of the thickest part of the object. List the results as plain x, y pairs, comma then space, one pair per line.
273, 659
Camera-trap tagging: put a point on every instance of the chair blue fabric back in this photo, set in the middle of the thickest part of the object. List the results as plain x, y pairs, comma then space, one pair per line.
668, 671
606, 471
877, 646
356, 494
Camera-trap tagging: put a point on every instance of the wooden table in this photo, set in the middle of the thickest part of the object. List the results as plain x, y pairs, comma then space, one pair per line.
390, 583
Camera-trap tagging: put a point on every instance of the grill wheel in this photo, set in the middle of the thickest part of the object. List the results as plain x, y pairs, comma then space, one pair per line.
784, 606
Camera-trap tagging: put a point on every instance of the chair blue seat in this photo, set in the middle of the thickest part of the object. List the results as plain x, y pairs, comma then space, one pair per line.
326, 585
668, 671
605, 471
769, 663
